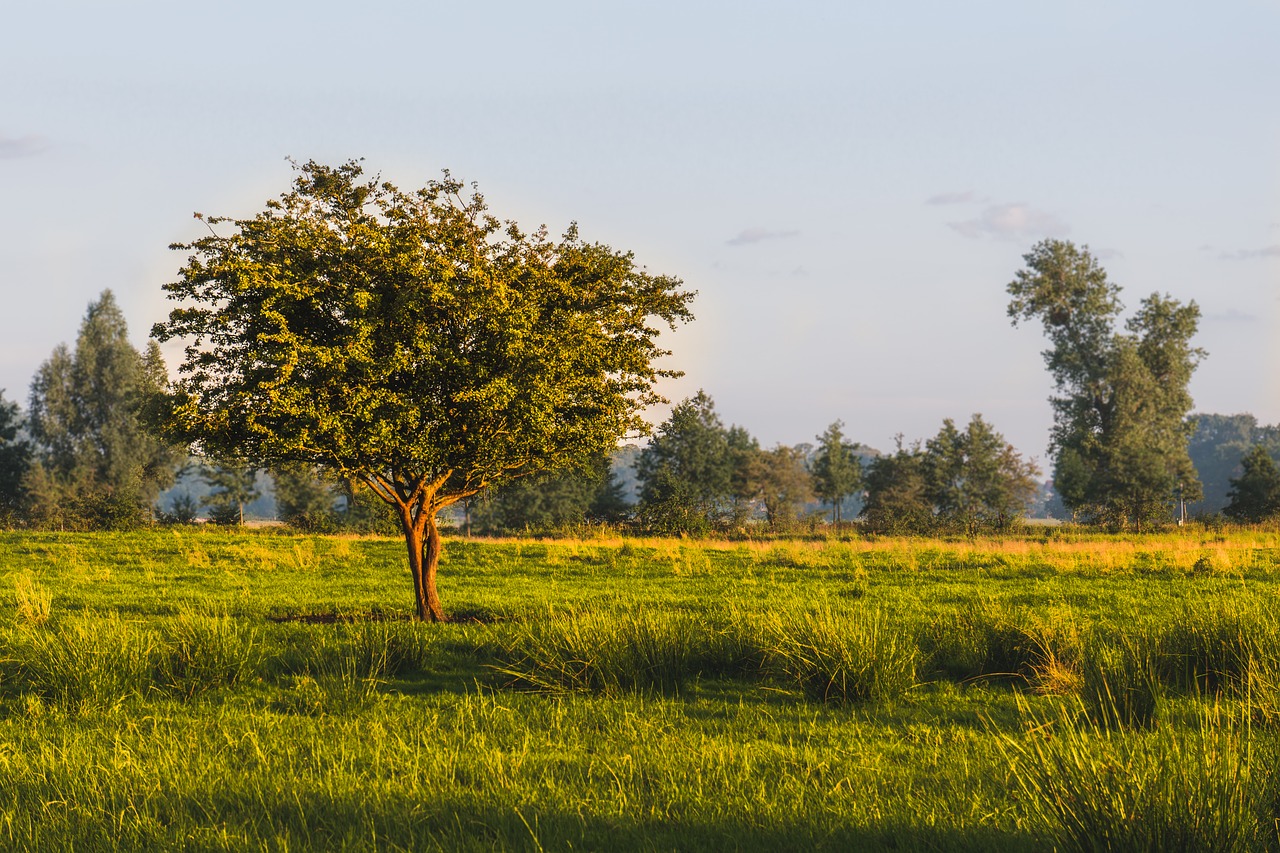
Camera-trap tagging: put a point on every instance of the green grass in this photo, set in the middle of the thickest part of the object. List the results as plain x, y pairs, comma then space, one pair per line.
191, 689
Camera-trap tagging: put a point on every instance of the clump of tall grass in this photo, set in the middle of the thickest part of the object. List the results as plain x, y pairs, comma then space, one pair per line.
990, 640
88, 661
32, 602
612, 652
203, 651
841, 656
1220, 648
374, 648
1120, 686
1091, 788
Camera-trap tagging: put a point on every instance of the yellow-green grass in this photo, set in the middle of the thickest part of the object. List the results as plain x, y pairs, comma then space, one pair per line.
210, 690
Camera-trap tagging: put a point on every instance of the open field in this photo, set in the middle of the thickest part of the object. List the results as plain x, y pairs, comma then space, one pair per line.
209, 690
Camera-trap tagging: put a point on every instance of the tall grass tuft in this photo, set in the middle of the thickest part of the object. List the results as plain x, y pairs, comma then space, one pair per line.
32, 602
204, 651
1220, 648
990, 640
87, 662
1089, 788
842, 657
1120, 684
606, 652
386, 648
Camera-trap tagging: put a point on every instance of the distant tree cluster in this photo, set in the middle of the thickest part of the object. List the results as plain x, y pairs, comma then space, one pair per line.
1219, 446
697, 475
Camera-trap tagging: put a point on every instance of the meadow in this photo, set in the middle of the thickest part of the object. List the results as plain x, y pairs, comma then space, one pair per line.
197, 689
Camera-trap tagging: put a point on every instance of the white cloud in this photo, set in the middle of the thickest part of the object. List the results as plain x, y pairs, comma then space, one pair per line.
13, 147
1272, 251
747, 236
953, 198
1011, 222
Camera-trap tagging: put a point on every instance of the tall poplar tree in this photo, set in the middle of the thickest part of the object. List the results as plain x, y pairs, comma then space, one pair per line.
94, 463
1120, 429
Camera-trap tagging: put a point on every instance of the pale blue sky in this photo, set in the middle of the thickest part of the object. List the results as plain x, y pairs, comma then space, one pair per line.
849, 186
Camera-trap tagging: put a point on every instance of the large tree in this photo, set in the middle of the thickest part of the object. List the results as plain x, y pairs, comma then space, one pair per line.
784, 484
94, 462
1120, 412
897, 499
411, 341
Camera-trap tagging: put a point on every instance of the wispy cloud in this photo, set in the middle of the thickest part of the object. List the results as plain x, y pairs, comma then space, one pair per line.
1231, 315
747, 236
1272, 251
1015, 221
13, 147
966, 197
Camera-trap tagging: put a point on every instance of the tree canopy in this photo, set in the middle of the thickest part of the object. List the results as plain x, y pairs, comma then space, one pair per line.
411, 341
1120, 413
1255, 494
93, 462
837, 470
15, 456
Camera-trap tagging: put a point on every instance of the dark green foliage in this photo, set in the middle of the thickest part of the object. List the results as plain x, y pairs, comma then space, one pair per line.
975, 479
1255, 494
234, 485
551, 501
686, 472
784, 484
1219, 444
837, 469
182, 510
1120, 430
363, 512
897, 499
303, 499
15, 458
95, 466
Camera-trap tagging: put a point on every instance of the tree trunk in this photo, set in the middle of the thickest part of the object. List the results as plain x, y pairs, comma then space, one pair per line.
422, 539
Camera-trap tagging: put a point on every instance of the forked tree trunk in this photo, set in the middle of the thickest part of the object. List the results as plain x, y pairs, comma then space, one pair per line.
422, 538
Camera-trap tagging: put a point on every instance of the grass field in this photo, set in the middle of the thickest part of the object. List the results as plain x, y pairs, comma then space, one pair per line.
204, 690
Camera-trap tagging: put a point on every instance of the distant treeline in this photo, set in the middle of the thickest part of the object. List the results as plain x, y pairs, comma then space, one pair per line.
81, 457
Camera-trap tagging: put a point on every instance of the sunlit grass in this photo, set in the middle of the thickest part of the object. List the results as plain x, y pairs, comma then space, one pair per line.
221, 690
